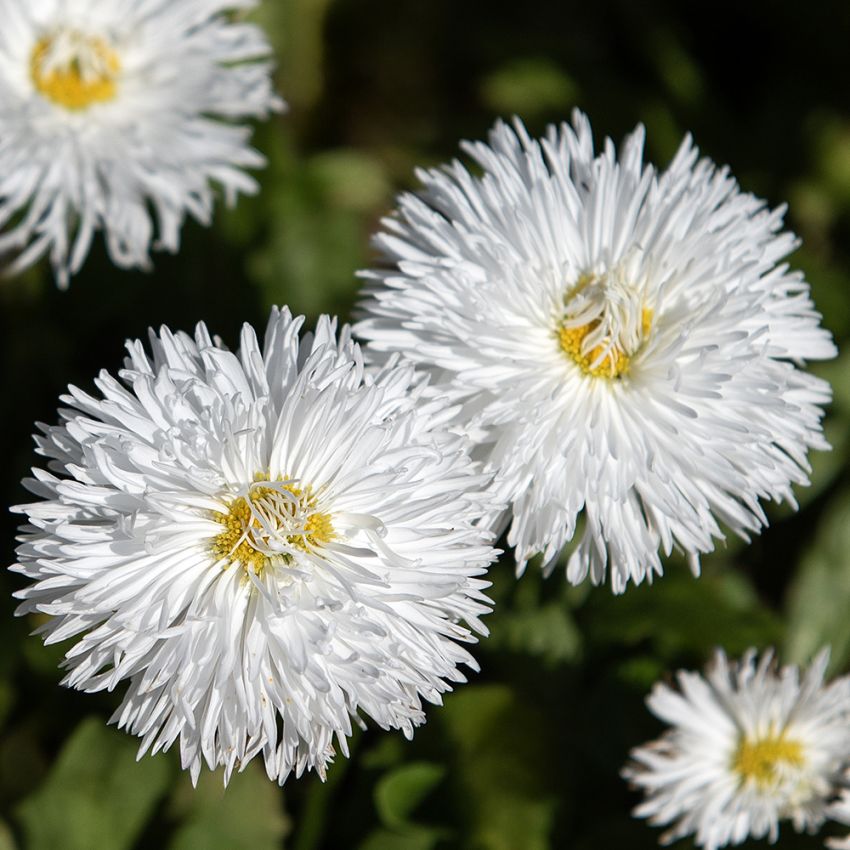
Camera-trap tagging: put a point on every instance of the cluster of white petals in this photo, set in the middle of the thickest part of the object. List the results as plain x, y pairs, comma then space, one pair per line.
749, 745
625, 343
263, 544
118, 117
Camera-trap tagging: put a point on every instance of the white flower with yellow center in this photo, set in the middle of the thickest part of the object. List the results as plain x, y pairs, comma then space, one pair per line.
118, 117
749, 745
625, 347
265, 545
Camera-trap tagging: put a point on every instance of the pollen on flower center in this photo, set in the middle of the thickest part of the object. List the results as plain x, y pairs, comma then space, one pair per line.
761, 761
604, 325
75, 70
273, 521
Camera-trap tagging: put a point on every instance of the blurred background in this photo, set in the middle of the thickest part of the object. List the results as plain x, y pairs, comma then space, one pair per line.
527, 756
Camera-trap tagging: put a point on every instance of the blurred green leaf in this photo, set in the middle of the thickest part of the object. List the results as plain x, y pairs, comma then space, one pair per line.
664, 134
296, 28
527, 623
681, 75
96, 795
497, 740
679, 613
385, 839
247, 814
819, 596
830, 288
7, 698
400, 791
548, 632
313, 247
832, 155
7, 841
351, 179
387, 752
529, 87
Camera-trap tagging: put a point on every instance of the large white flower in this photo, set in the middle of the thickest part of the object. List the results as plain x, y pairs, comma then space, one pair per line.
265, 544
623, 341
749, 745
115, 114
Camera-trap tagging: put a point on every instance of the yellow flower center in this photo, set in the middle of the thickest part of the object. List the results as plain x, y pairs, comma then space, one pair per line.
269, 524
74, 70
616, 326
761, 761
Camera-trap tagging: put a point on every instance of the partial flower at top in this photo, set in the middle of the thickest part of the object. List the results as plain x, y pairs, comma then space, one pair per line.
266, 545
625, 343
749, 746
117, 116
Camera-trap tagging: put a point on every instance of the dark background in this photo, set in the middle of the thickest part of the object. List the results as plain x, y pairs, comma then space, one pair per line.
527, 756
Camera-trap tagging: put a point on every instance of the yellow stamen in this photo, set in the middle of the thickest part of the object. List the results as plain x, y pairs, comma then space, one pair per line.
613, 364
68, 84
759, 761
243, 528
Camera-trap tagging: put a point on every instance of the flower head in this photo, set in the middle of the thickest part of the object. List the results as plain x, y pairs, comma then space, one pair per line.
118, 114
624, 344
264, 544
749, 745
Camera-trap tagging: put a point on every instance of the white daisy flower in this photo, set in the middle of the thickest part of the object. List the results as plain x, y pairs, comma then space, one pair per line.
623, 341
749, 745
118, 115
265, 544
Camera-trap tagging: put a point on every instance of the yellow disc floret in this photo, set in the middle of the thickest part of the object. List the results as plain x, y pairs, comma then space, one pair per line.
268, 524
605, 359
761, 761
75, 71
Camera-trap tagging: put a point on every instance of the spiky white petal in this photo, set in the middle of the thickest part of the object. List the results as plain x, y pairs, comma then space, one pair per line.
677, 272
840, 811
134, 163
793, 732
355, 577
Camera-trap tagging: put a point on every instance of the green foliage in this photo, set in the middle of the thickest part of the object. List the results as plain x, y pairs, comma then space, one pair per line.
526, 621
496, 738
819, 597
529, 88
7, 841
682, 615
400, 791
96, 794
248, 814
527, 755
398, 794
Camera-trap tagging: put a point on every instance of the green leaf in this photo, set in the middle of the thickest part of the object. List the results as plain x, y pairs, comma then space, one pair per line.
545, 631
399, 792
498, 740
819, 597
296, 28
385, 839
679, 72
529, 87
314, 229
679, 613
96, 795
247, 814
351, 179
7, 841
